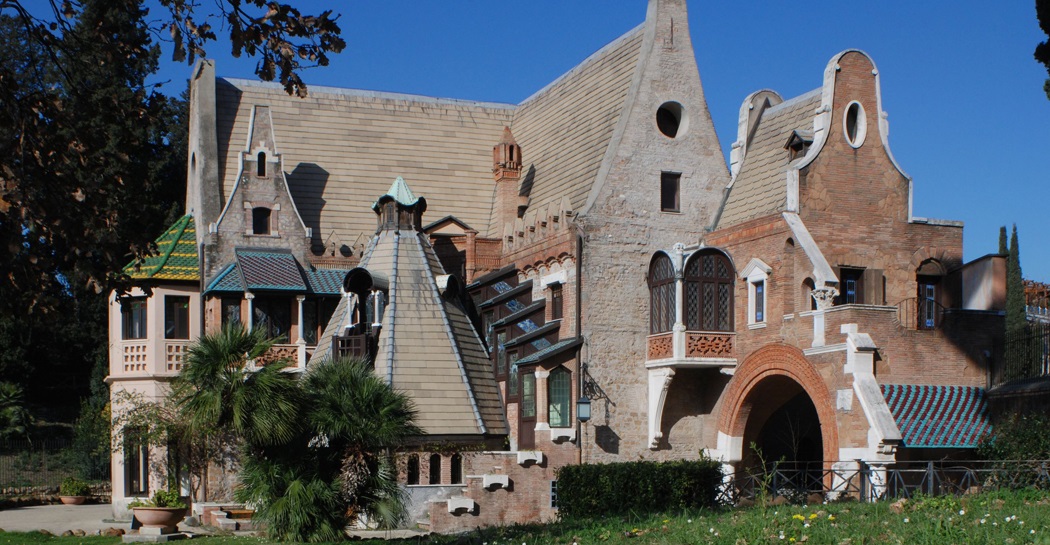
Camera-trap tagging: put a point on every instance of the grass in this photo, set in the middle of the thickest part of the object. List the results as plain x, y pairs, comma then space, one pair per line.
999, 517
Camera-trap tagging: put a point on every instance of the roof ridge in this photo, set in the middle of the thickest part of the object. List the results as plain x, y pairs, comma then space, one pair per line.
367, 93
585, 62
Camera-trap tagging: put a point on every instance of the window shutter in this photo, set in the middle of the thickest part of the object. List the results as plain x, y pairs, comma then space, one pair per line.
873, 287
842, 286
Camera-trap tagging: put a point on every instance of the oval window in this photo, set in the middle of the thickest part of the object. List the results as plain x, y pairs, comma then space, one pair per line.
671, 119
855, 124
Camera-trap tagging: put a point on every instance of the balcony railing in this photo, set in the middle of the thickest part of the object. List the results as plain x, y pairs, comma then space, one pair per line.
277, 352
920, 313
698, 344
174, 352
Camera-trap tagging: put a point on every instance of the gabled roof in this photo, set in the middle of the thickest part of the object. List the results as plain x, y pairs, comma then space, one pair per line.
176, 257
340, 146
938, 416
760, 188
565, 128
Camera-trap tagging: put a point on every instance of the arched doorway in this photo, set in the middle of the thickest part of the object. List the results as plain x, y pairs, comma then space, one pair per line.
778, 401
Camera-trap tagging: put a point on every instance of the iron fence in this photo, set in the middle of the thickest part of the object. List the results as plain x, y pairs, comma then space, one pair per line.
37, 468
1026, 356
807, 483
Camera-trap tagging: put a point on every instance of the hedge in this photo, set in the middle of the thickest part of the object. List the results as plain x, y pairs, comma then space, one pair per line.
597, 490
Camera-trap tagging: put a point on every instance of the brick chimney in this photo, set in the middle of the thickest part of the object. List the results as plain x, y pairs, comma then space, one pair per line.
506, 171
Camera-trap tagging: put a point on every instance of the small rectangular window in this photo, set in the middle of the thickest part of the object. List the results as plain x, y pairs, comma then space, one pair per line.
133, 318
669, 191
136, 464
512, 378
554, 494
231, 311
556, 302
528, 395
760, 301
501, 353
176, 317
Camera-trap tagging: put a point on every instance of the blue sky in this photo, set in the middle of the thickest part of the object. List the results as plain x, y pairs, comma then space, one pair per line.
968, 117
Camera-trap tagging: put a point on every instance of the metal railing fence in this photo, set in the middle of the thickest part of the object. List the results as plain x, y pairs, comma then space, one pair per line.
37, 468
801, 482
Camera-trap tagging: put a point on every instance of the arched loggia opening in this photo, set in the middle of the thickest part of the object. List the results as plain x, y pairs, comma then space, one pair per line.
774, 388
783, 435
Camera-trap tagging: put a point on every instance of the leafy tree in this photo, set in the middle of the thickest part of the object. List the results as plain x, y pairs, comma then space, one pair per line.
1042, 51
82, 151
14, 418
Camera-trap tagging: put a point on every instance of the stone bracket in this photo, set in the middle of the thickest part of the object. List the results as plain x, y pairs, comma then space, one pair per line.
659, 382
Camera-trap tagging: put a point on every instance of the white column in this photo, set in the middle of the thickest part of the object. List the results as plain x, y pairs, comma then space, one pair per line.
251, 309
300, 343
678, 335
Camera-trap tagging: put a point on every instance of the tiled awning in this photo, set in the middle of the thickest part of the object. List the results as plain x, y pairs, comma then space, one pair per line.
938, 416
270, 270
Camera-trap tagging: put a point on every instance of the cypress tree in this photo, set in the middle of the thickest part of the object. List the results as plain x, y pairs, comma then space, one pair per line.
1015, 311
1003, 249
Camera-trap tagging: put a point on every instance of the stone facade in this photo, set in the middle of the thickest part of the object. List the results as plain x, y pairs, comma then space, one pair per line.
609, 254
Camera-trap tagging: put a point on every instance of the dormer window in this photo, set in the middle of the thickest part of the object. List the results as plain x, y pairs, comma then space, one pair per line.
260, 168
798, 144
261, 220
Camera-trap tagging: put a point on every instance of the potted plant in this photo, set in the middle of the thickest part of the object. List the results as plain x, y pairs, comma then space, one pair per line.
73, 491
164, 511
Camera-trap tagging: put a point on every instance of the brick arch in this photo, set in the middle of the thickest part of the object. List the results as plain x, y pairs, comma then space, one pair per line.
940, 255
778, 360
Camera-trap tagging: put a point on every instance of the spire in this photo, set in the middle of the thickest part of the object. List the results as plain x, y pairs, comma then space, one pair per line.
399, 208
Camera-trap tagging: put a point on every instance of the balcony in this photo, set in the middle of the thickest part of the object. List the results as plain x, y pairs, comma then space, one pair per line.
691, 348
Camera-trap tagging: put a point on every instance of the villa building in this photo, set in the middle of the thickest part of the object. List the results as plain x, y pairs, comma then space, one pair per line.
509, 264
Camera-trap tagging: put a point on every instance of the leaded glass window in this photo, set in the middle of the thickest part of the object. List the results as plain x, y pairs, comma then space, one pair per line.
528, 395
559, 393
661, 295
709, 292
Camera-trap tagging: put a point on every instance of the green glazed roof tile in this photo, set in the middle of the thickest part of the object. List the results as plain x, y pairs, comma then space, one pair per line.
176, 257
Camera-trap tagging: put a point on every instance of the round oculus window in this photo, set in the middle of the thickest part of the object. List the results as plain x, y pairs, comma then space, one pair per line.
855, 124
671, 119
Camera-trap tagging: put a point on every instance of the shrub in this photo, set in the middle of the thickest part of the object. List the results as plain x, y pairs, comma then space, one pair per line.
73, 486
162, 498
596, 490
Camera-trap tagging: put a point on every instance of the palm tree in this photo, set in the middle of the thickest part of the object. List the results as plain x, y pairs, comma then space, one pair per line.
340, 469
220, 388
315, 450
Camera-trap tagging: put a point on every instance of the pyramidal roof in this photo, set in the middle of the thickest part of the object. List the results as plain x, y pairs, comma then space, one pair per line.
400, 192
427, 346
176, 257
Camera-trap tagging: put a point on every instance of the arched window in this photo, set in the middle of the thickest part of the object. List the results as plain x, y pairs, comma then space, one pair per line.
807, 294
260, 160
413, 469
260, 220
456, 469
709, 292
559, 393
435, 469
661, 295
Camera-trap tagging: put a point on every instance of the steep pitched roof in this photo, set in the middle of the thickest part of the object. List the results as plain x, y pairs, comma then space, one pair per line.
176, 257
565, 128
340, 147
760, 188
427, 346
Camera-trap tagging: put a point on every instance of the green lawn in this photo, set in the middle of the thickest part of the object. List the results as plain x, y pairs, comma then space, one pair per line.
1006, 517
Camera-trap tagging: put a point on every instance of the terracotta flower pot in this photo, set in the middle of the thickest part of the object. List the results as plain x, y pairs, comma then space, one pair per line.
72, 500
165, 518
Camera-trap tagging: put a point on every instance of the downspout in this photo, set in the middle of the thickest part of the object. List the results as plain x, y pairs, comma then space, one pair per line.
579, 335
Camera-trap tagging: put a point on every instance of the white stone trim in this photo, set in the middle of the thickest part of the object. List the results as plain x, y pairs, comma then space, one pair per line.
659, 382
862, 125
560, 277
757, 272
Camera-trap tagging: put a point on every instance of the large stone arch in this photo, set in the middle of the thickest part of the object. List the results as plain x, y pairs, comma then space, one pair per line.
777, 360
